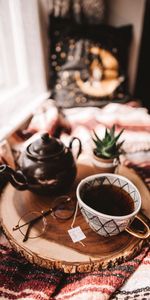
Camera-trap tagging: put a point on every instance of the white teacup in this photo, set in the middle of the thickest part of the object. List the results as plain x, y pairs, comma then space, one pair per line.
109, 218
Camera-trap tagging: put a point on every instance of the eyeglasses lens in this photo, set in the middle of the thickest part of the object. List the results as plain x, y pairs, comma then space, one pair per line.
64, 208
35, 230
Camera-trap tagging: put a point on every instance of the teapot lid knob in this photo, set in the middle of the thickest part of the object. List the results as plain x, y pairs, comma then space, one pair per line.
45, 137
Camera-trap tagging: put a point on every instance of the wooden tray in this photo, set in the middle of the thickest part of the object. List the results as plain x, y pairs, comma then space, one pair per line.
55, 248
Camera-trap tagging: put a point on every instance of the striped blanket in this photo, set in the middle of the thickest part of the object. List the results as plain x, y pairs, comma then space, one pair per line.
129, 280
21, 280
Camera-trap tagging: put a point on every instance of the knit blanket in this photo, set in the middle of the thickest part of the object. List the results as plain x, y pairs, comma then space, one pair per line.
20, 279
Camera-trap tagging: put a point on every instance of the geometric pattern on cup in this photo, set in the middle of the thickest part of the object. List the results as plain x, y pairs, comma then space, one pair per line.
102, 225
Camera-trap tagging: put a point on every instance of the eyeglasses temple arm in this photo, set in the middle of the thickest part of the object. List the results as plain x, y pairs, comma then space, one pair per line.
27, 232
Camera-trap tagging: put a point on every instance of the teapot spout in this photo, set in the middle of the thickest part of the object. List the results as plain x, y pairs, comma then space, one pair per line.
16, 178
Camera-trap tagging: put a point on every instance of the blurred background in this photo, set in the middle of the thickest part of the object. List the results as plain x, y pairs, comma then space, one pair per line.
25, 43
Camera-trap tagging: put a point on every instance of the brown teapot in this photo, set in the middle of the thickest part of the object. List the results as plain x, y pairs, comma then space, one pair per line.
47, 166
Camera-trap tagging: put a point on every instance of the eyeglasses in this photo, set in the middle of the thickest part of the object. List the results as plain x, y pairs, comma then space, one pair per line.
33, 224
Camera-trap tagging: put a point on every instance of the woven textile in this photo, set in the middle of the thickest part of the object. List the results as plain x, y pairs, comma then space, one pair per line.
21, 280
138, 287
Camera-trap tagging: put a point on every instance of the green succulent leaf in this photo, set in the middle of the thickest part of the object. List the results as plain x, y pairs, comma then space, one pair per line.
119, 134
96, 136
108, 147
119, 145
112, 131
97, 141
107, 136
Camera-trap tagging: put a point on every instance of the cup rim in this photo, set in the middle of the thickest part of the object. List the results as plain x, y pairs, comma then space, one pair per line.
106, 216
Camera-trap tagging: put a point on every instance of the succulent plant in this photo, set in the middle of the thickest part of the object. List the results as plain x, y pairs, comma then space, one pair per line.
108, 147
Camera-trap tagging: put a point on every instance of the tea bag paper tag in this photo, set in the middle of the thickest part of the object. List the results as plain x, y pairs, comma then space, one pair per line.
76, 234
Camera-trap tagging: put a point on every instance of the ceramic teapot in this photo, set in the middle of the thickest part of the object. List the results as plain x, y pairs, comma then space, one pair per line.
47, 166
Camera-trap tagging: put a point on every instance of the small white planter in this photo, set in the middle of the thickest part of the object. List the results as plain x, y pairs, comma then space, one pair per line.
104, 165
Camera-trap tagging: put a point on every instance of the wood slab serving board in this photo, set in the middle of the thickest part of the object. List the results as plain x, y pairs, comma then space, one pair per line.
55, 249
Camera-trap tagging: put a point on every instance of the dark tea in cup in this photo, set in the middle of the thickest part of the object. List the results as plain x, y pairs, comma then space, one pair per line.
109, 199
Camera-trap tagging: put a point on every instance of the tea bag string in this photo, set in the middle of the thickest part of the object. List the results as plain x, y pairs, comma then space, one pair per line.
74, 219
75, 215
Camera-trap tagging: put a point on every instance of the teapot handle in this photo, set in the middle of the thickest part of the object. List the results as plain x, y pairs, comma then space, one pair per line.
79, 145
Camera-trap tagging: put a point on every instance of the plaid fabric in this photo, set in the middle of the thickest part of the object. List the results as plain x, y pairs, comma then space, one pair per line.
138, 287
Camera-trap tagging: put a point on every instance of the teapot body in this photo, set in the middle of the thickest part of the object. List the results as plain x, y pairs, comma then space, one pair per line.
53, 175
46, 167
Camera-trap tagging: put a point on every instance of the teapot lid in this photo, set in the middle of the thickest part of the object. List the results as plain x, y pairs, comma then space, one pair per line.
45, 147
